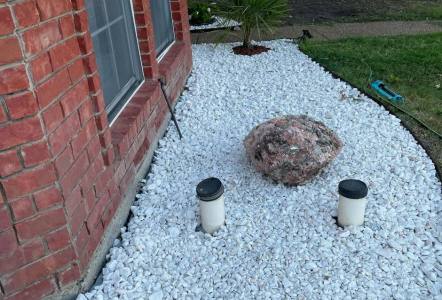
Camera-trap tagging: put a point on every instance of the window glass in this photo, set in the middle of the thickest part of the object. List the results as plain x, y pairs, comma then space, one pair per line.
116, 50
162, 24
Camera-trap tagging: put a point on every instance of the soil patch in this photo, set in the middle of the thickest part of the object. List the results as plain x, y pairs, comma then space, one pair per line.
255, 49
317, 11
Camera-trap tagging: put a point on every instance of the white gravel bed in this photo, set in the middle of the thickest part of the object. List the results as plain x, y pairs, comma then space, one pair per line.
279, 242
220, 23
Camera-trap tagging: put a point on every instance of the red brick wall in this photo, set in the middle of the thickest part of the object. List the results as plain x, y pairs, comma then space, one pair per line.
63, 170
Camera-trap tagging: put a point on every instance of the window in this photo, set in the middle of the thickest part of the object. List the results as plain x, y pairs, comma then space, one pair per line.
162, 24
113, 35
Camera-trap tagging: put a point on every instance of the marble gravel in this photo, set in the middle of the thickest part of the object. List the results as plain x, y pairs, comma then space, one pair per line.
220, 23
279, 242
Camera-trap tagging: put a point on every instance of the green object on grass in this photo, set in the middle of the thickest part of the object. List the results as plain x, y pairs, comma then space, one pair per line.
410, 64
385, 92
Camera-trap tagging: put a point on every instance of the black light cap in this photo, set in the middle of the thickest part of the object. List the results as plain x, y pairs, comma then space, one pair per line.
353, 189
209, 189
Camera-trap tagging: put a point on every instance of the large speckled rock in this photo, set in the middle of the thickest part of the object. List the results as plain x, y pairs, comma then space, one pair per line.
291, 149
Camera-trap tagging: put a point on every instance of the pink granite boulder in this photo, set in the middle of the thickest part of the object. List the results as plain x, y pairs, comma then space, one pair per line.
291, 149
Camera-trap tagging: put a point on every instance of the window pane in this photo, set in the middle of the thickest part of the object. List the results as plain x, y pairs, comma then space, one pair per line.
121, 48
116, 50
96, 14
162, 24
106, 68
114, 9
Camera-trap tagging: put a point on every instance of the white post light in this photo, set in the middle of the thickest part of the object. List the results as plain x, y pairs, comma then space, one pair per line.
352, 202
210, 192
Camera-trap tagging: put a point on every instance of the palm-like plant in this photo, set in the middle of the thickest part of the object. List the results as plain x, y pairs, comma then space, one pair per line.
254, 15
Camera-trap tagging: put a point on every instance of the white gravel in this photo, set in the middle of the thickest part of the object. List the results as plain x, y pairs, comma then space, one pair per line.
279, 242
220, 23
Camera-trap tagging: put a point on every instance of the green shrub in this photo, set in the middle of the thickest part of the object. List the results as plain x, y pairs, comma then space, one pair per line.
254, 15
200, 13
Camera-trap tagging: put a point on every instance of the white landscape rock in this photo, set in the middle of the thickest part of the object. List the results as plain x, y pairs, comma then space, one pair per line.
219, 23
279, 242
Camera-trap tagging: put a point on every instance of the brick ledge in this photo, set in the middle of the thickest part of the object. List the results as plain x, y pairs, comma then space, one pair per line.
140, 107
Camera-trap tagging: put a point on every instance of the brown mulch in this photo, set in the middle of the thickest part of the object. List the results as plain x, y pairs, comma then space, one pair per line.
255, 49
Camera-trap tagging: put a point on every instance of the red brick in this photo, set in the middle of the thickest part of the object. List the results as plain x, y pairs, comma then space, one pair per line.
35, 291
21, 105
22, 208
95, 238
13, 79
98, 102
53, 87
41, 67
33, 250
138, 5
64, 161
175, 6
78, 4
76, 70
85, 43
41, 224
97, 211
77, 219
94, 82
29, 181
8, 242
126, 181
102, 121
105, 138
81, 240
107, 214
90, 63
35, 153
144, 48
72, 200
70, 275
11, 262
47, 198
49, 9
72, 99
17, 133
109, 156
3, 116
83, 137
37, 270
26, 13
9, 163
5, 219
60, 138
81, 21
67, 26
86, 112
74, 175
102, 181
90, 176
142, 33
10, 50
64, 53
94, 147
58, 239
39, 38
53, 116
140, 20
6, 23
89, 199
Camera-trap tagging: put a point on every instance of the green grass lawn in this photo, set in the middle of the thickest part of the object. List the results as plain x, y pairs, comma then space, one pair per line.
410, 65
